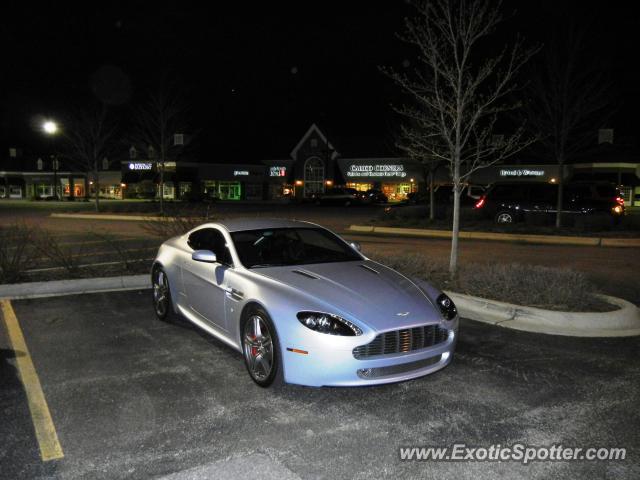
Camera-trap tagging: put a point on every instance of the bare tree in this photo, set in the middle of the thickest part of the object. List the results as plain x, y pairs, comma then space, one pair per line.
457, 93
411, 142
569, 99
89, 136
157, 121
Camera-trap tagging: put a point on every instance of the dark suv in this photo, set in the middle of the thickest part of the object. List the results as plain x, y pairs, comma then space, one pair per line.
513, 202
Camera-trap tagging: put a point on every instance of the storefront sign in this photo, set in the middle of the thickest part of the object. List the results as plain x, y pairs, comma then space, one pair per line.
520, 172
382, 170
278, 171
240, 173
140, 166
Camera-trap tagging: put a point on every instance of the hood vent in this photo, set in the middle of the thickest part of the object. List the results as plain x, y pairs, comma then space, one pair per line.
305, 274
366, 267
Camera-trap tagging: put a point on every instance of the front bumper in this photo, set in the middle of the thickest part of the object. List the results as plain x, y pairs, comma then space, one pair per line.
324, 366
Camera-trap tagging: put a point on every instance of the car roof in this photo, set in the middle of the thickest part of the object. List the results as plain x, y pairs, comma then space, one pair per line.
240, 224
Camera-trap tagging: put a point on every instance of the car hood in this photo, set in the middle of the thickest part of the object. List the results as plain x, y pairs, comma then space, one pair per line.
367, 291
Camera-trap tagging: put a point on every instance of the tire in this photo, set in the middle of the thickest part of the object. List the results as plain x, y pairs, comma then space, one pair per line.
505, 217
161, 295
261, 348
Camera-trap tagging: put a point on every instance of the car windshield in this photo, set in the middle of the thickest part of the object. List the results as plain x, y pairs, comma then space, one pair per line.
290, 246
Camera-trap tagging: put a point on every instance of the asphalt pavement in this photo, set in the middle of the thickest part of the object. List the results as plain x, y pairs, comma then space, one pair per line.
134, 397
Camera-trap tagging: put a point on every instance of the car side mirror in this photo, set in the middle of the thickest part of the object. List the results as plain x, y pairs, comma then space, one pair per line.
206, 256
356, 246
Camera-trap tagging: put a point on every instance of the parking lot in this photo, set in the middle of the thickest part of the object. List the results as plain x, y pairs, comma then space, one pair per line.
130, 396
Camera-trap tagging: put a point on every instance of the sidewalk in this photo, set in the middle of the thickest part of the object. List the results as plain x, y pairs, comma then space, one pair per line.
499, 237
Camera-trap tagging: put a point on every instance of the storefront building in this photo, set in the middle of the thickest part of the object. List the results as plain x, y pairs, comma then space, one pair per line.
311, 168
38, 179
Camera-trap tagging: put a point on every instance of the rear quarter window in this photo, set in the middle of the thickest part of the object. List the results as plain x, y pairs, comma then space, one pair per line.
606, 191
505, 192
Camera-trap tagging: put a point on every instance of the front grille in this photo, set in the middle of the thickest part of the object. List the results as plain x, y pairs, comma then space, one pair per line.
400, 341
368, 373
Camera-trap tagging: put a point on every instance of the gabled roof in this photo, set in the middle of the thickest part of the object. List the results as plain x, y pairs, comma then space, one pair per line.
313, 128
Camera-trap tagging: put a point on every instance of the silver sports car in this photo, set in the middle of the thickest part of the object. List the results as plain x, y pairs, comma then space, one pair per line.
303, 305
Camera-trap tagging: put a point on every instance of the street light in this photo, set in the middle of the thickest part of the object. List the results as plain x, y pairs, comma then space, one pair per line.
51, 128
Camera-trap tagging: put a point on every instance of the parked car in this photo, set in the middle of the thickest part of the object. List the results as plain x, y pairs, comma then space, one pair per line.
302, 305
509, 202
341, 196
444, 195
373, 195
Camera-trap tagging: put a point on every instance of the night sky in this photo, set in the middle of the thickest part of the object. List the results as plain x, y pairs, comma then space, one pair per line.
257, 77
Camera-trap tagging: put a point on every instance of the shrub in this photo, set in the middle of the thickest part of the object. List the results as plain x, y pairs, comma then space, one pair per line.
60, 255
530, 285
176, 222
16, 251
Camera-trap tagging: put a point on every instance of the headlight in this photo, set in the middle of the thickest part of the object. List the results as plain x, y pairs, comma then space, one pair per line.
447, 307
328, 323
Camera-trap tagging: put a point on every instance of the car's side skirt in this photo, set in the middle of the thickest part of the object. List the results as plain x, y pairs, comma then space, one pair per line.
208, 328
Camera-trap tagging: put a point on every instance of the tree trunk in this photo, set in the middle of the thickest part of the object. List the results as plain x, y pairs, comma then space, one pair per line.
161, 188
96, 185
455, 231
560, 194
432, 197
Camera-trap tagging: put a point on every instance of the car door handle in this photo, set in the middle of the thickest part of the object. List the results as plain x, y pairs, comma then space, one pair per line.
233, 293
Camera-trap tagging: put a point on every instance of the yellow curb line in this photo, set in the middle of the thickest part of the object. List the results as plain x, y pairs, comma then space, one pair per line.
46, 435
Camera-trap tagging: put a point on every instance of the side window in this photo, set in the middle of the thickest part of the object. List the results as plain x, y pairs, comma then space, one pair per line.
195, 240
211, 239
503, 192
577, 192
543, 193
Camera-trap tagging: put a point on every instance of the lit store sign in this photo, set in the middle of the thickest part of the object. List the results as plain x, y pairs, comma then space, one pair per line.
240, 173
278, 171
377, 171
140, 166
520, 172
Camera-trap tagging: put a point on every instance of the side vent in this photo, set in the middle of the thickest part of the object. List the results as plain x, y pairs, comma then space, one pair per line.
366, 267
305, 274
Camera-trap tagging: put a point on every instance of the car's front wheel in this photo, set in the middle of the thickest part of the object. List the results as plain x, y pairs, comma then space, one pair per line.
260, 348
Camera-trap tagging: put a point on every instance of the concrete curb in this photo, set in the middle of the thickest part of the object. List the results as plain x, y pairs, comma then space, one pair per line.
97, 216
74, 287
501, 237
624, 322
619, 323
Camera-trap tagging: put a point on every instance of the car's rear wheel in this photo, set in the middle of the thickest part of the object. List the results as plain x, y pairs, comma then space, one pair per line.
161, 295
505, 217
260, 348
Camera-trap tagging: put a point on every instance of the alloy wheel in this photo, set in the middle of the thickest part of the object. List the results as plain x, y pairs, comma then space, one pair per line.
258, 348
161, 293
504, 218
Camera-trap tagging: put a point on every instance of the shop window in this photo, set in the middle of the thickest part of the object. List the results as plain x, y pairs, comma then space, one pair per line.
361, 187
185, 187
168, 190
44, 190
313, 176
229, 190
15, 191
253, 191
